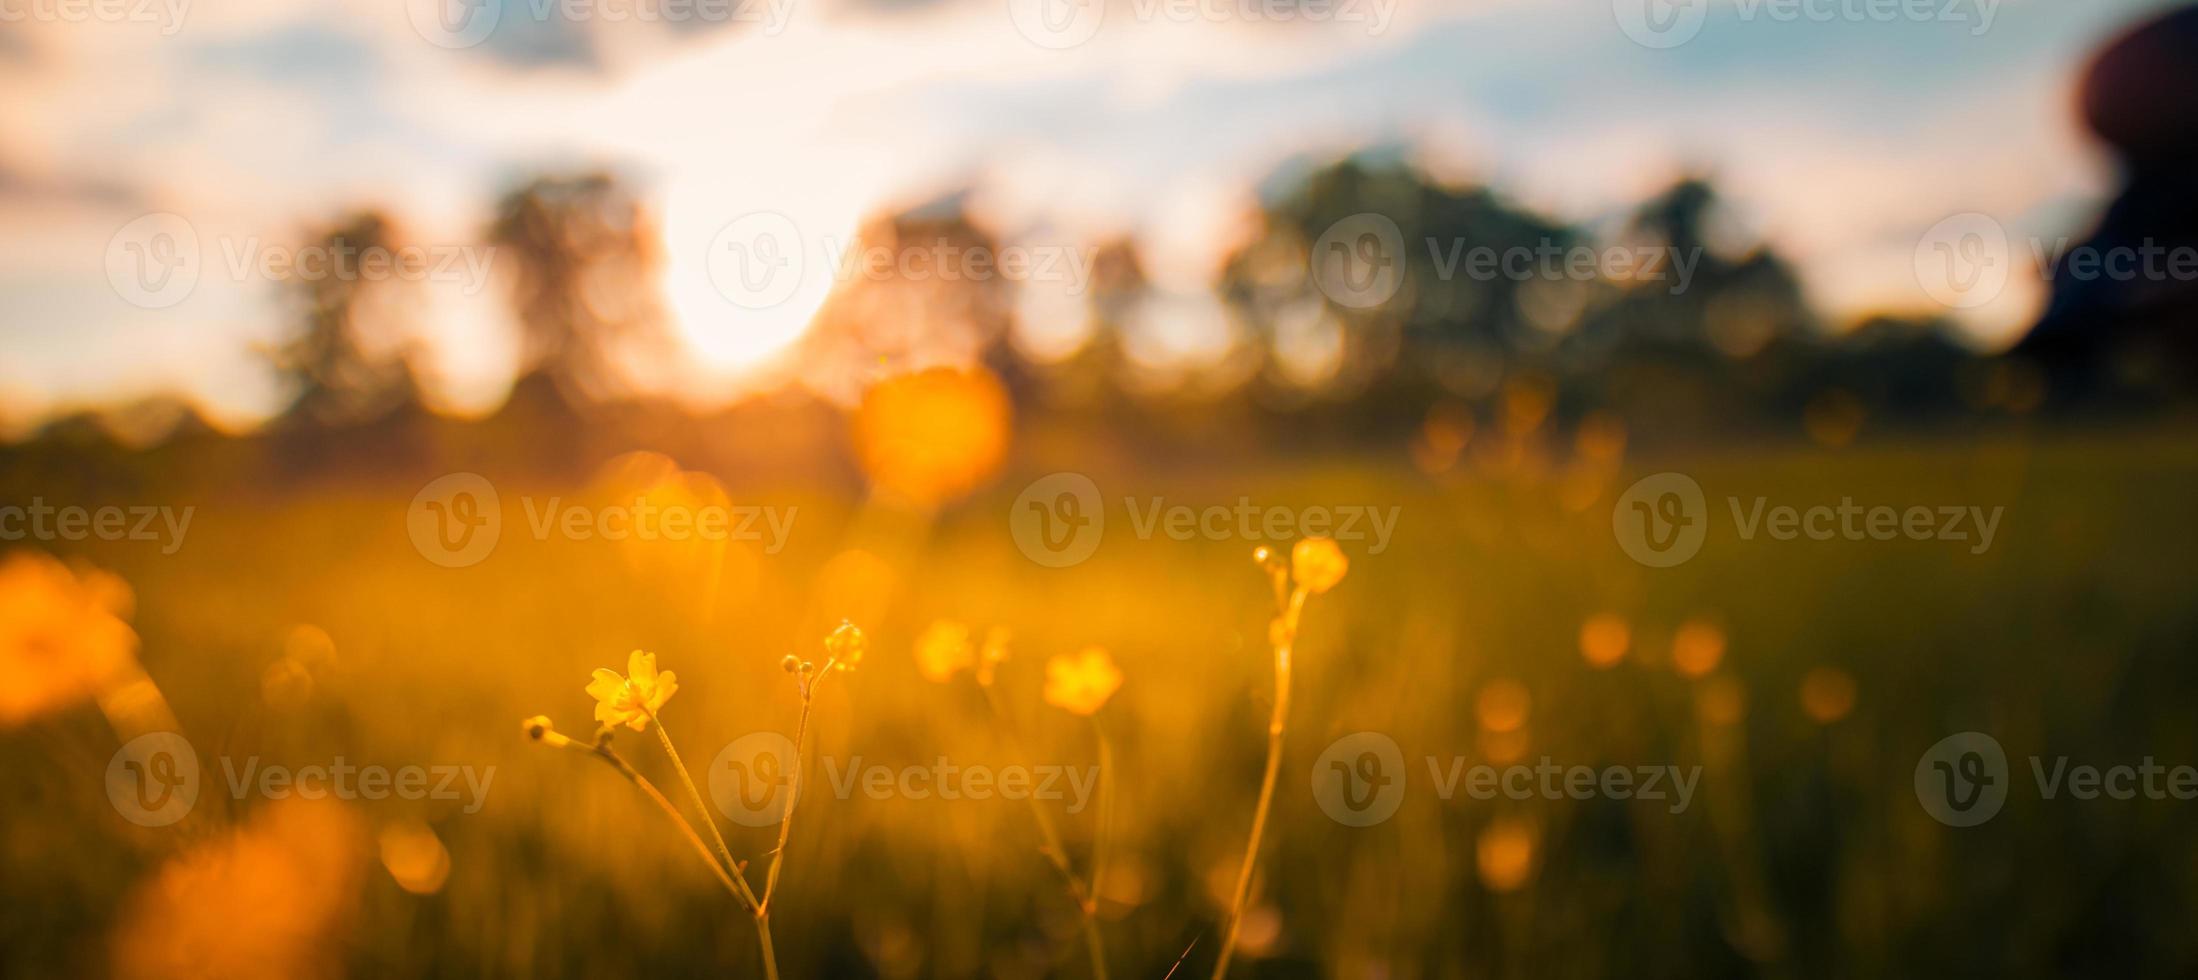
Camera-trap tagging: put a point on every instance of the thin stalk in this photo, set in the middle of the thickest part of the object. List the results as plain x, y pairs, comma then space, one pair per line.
693, 795
793, 786
1099, 839
1106, 807
763, 935
1078, 890
756, 908
603, 751
1275, 725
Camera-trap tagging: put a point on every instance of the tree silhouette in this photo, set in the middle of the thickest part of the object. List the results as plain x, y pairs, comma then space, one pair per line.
349, 362
583, 255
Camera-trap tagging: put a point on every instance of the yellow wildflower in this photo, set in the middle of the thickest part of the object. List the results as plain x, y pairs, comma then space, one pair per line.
633, 698
1317, 564
846, 645
63, 638
1081, 684
943, 651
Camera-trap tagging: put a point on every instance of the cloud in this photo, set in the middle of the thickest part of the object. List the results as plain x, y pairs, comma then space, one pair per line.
256, 119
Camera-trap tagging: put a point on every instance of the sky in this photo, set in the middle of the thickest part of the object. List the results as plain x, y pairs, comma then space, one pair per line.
1841, 131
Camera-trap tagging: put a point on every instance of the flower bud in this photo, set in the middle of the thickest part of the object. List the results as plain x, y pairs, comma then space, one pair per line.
1317, 564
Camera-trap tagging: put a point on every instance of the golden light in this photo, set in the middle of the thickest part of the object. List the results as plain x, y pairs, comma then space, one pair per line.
934, 435
1601, 437
1504, 854
1697, 648
1721, 701
264, 902
1503, 705
415, 857
1833, 418
1827, 694
1505, 748
63, 639
1604, 639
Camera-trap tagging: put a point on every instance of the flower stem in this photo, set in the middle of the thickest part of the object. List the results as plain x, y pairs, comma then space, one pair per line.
793, 786
1099, 846
1086, 902
1105, 831
724, 876
1286, 639
694, 795
757, 908
763, 935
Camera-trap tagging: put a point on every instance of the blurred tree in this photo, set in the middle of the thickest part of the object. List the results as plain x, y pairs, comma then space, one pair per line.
1739, 297
1716, 339
918, 289
584, 256
1459, 327
350, 361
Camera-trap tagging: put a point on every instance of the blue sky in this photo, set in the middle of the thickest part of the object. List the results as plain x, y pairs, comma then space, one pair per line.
1838, 140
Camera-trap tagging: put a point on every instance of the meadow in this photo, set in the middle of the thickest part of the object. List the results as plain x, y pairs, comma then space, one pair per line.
1501, 624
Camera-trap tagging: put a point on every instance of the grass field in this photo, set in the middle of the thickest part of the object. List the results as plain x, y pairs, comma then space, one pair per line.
1807, 680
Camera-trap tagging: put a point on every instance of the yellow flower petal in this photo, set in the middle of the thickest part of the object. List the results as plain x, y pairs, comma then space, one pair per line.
641, 667
606, 685
608, 714
1317, 564
1082, 684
